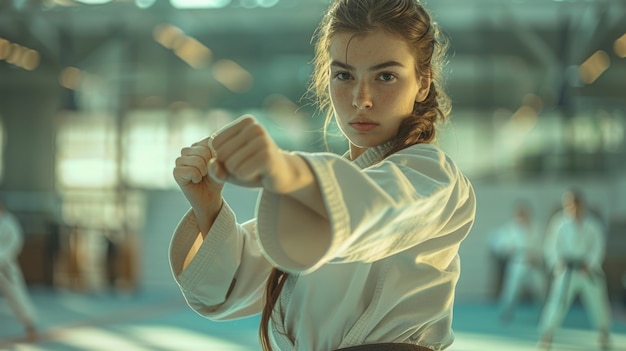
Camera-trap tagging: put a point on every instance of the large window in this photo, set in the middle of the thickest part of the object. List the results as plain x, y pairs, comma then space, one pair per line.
152, 140
97, 152
87, 152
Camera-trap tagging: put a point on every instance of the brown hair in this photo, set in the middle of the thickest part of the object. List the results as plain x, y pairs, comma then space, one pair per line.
407, 20
274, 286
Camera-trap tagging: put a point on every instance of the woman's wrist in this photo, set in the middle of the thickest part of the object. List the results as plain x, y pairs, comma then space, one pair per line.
297, 175
206, 215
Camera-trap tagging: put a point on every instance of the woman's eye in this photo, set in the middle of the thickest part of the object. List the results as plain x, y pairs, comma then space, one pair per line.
387, 77
342, 75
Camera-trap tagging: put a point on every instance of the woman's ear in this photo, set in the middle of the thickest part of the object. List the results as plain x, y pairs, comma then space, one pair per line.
423, 89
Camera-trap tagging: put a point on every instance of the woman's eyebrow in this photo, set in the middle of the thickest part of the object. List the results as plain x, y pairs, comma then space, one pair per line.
386, 65
341, 65
376, 67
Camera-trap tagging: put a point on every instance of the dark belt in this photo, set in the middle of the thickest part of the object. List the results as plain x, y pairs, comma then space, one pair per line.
386, 347
575, 265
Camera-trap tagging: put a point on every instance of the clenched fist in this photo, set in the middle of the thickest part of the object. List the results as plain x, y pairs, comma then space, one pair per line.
246, 155
191, 175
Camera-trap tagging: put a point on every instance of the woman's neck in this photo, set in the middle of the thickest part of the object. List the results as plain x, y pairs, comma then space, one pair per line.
356, 151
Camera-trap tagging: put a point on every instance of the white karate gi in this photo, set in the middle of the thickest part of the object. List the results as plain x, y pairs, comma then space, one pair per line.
11, 280
572, 246
524, 269
388, 274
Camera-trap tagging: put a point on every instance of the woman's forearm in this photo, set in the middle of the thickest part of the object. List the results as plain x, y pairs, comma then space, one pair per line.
204, 219
305, 188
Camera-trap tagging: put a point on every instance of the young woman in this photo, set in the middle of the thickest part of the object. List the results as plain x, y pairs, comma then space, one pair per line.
355, 252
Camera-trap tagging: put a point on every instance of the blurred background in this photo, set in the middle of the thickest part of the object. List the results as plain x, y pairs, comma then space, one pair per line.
97, 97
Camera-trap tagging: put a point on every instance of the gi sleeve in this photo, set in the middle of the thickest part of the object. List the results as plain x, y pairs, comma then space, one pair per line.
597, 248
413, 196
226, 277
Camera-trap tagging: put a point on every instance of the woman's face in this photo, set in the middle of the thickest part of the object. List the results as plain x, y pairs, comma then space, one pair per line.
373, 86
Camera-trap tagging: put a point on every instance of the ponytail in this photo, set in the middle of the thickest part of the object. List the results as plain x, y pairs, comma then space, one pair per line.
275, 283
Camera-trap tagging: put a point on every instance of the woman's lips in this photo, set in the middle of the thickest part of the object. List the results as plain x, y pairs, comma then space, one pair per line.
363, 126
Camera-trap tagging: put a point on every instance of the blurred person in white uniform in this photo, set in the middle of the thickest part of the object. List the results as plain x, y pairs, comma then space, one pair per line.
574, 252
12, 282
519, 242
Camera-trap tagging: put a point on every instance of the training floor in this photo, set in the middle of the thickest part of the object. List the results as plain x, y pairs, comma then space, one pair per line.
160, 321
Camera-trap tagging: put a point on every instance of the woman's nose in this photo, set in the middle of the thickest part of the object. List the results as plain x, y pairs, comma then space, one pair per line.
362, 99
